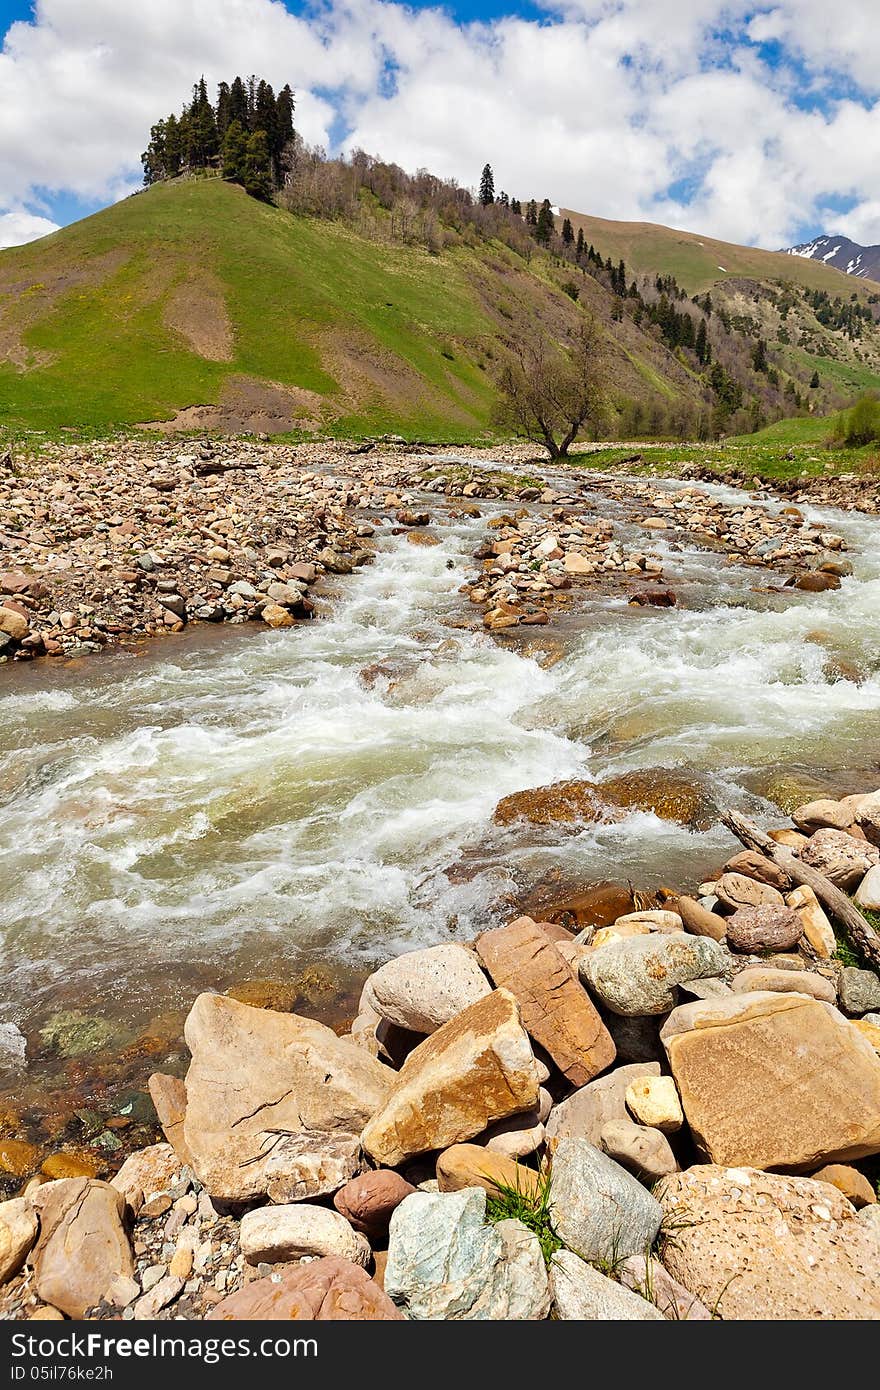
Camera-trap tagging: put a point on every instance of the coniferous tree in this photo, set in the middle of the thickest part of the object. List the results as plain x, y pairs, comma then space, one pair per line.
234, 152
238, 103
759, 356
516, 206
579, 248
702, 343
567, 232
503, 199
222, 110
532, 213
487, 186
257, 177
545, 225
814, 381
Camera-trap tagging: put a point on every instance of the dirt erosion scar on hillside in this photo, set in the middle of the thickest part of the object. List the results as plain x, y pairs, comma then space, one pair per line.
528, 1125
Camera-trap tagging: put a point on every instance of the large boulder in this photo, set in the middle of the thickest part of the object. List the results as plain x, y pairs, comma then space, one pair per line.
476, 1069
774, 1080
598, 1209
326, 1290
83, 1246
257, 1077
639, 974
276, 1234
754, 1245
446, 1262
582, 1294
422, 990
556, 1010
562, 803
840, 857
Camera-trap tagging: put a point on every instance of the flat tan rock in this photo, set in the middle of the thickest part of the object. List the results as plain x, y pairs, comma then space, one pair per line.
556, 1010
83, 1246
755, 1245
256, 1077
476, 1069
146, 1172
327, 1290
774, 1080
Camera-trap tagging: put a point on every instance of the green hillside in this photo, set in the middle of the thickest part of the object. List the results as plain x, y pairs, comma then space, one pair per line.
193, 306
191, 297
700, 262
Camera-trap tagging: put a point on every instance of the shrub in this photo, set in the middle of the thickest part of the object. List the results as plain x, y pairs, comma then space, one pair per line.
862, 424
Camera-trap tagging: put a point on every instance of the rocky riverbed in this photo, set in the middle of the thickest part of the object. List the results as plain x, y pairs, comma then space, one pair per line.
122, 541
676, 1115
515, 701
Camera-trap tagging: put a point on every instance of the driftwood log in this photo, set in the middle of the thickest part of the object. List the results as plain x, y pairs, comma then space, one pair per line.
860, 931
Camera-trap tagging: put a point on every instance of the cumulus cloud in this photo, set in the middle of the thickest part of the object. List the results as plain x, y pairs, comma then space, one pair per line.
18, 227
750, 126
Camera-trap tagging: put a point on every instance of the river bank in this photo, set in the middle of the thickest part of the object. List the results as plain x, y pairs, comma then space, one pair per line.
530, 1124
275, 817
120, 542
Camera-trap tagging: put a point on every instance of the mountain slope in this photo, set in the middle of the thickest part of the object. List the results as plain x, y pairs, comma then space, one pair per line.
193, 302
699, 263
843, 254
193, 306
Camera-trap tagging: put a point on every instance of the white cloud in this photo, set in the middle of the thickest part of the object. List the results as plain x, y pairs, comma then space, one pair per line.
18, 227
605, 106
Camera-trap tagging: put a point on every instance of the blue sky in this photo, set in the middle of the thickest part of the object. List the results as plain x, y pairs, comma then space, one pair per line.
751, 122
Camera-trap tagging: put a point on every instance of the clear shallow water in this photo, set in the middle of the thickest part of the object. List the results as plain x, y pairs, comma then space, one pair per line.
237, 806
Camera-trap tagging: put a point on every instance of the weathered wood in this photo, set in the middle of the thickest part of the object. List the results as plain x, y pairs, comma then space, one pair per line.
838, 904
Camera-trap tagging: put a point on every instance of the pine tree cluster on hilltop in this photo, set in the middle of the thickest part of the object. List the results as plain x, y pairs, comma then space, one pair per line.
247, 135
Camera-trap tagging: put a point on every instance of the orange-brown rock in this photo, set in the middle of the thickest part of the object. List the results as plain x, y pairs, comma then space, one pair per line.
774, 1080
699, 920
562, 803
668, 794
326, 1290
470, 1165
368, 1201
556, 1010
597, 906
478, 1068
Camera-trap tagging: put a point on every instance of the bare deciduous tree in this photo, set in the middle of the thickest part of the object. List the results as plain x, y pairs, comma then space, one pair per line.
549, 394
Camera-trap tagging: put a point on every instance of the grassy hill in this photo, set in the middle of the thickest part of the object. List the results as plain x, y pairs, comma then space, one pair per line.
192, 302
699, 262
192, 306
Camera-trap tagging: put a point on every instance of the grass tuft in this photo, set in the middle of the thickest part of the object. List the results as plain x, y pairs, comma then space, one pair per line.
521, 1202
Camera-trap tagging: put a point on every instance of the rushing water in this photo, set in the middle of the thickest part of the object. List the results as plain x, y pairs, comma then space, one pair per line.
237, 807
